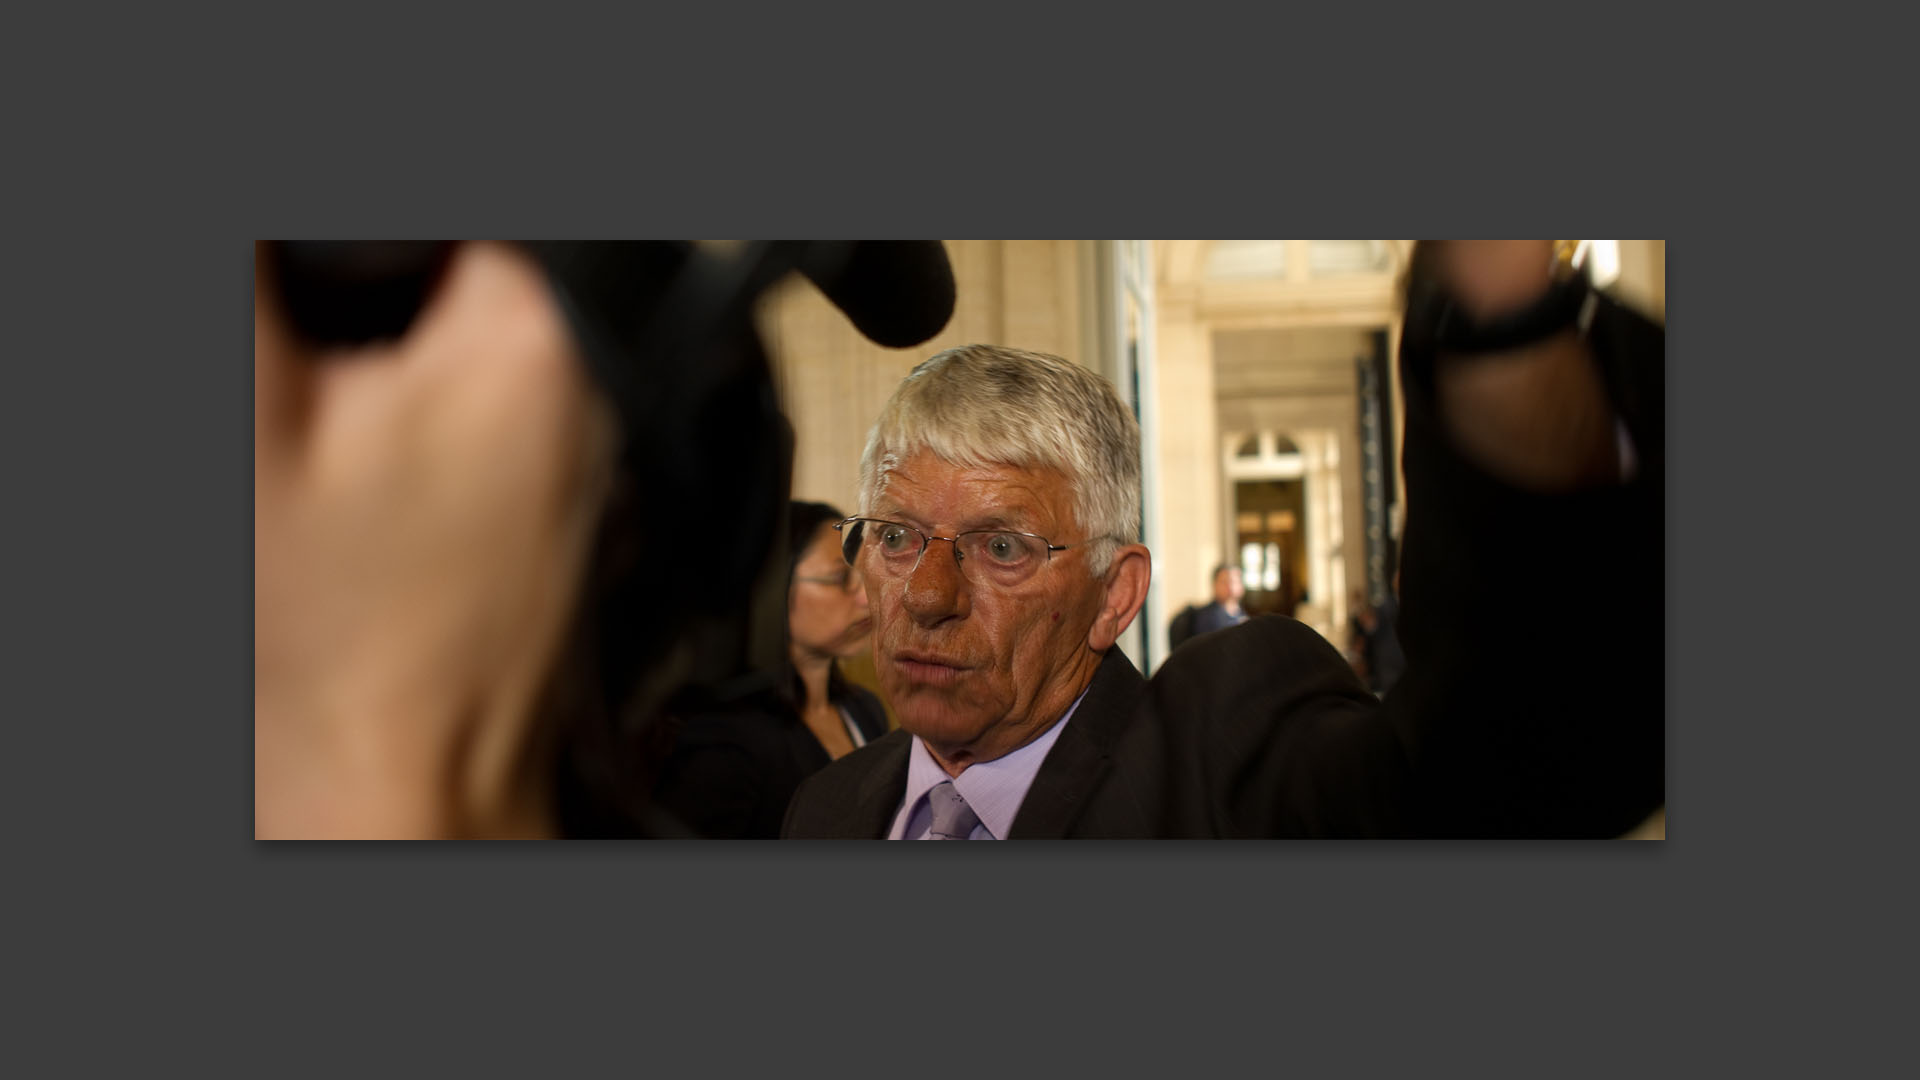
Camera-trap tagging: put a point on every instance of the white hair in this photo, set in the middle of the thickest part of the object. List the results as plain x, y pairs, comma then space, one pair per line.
986, 405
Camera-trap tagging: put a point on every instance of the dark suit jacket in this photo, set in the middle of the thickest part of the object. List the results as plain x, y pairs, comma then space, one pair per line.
1171, 758
858, 795
731, 774
1213, 617
1532, 703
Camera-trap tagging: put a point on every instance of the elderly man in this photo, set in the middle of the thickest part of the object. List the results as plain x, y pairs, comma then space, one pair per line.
999, 508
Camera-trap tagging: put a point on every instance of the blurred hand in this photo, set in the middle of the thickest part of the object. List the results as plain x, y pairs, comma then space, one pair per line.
423, 513
1538, 416
1493, 278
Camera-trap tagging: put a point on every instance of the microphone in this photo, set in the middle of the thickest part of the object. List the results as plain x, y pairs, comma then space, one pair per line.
897, 293
341, 293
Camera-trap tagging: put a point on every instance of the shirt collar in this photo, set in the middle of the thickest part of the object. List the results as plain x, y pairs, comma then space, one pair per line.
994, 789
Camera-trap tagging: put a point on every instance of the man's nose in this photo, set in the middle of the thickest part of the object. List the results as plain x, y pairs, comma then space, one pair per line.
935, 589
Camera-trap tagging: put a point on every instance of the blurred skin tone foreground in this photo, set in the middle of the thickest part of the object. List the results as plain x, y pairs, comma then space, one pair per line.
422, 517
423, 524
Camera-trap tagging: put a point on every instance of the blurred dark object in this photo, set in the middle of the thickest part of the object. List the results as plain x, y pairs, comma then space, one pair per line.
1373, 639
1435, 321
676, 610
350, 294
898, 293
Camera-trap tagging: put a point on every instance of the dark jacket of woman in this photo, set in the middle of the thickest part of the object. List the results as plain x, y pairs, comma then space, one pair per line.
732, 773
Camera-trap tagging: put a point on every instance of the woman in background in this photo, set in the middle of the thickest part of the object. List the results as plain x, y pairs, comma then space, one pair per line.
732, 774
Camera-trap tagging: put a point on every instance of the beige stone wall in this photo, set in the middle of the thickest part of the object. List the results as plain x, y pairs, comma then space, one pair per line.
1643, 276
1660, 276
1190, 479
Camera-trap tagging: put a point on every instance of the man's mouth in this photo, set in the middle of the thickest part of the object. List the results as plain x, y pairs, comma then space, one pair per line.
933, 669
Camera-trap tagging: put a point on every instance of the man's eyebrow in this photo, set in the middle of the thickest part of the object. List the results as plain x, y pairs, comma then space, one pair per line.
892, 511
1012, 519
1017, 520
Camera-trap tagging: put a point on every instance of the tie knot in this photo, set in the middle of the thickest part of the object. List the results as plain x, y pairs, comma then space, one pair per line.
953, 819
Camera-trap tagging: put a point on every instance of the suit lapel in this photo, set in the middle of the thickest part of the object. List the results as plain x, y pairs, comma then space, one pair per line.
876, 795
1081, 757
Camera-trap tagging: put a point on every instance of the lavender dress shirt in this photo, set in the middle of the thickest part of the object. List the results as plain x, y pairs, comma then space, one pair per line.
995, 789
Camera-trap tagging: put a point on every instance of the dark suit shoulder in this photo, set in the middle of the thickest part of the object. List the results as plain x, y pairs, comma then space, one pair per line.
1239, 686
1263, 654
846, 799
849, 772
1270, 733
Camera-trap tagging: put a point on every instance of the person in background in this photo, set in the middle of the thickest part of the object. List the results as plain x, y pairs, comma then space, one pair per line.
1196, 619
731, 774
1228, 588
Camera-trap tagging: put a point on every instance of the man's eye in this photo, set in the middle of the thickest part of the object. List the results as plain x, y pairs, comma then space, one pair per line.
1003, 548
893, 539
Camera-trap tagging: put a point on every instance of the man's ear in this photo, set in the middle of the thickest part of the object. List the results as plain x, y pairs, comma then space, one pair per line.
1126, 590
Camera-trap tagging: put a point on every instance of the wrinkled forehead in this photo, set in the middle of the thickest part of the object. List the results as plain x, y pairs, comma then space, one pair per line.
928, 490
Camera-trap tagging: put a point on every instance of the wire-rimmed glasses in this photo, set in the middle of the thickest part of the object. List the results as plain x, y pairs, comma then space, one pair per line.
998, 557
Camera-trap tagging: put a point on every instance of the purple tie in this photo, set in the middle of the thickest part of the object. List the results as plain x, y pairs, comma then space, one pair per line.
953, 819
